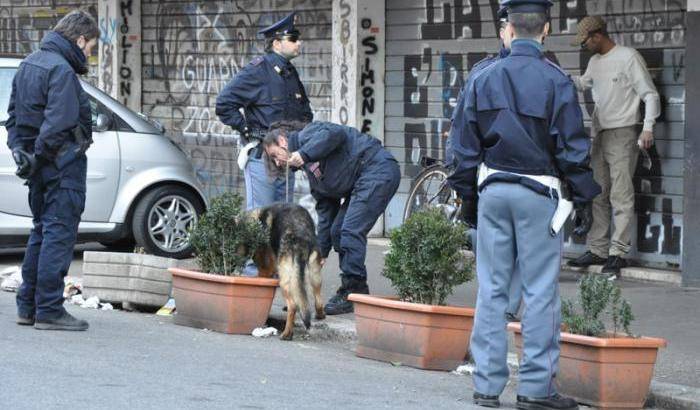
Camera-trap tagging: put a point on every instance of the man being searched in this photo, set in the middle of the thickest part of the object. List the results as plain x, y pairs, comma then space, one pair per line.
268, 89
49, 129
352, 178
619, 79
520, 148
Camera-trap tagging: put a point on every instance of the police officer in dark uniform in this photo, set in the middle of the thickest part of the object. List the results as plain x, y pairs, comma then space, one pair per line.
522, 148
49, 129
352, 178
268, 89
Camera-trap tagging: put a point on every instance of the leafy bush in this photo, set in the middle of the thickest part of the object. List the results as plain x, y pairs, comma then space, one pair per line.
226, 237
426, 259
599, 298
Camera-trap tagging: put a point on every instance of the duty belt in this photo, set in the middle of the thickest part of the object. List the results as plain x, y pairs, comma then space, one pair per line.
550, 184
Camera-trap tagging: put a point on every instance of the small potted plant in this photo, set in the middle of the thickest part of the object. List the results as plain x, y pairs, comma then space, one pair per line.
220, 299
425, 262
604, 369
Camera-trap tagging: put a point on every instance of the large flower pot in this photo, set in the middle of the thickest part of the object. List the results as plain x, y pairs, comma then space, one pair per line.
416, 335
228, 304
608, 373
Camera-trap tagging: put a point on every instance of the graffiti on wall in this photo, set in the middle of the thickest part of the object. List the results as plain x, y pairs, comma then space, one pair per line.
192, 50
430, 80
23, 23
108, 31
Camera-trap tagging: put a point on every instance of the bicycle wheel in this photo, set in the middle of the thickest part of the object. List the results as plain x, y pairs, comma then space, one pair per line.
431, 190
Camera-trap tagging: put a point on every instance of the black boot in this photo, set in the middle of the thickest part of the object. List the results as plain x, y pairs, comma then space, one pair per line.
554, 402
339, 304
613, 265
587, 259
486, 401
25, 320
64, 322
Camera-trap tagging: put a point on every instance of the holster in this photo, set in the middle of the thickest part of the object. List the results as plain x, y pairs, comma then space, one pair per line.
71, 150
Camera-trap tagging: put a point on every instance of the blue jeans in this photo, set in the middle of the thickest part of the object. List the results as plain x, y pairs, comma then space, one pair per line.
260, 190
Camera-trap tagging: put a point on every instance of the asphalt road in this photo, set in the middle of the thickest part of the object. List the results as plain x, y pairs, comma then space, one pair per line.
144, 361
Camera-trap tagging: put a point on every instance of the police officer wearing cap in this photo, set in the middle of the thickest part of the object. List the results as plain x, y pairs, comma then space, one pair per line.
457, 123
523, 150
268, 89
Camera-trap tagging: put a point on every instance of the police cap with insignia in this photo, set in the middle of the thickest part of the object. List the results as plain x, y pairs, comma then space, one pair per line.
525, 6
284, 27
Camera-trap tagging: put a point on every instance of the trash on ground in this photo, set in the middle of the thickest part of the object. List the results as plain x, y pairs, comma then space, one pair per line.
11, 279
93, 302
167, 309
9, 271
74, 286
465, 369
264, 332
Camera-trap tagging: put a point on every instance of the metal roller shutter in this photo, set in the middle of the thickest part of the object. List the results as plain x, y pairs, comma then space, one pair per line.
192, 49
432, 45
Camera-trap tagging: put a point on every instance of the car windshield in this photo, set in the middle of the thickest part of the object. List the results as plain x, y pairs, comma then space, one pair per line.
6, 76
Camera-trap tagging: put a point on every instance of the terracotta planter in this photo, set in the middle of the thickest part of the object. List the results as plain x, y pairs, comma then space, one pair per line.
608, 373
228, 304
422, 336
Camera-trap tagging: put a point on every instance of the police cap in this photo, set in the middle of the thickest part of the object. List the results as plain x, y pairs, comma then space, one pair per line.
281, 28
526, 6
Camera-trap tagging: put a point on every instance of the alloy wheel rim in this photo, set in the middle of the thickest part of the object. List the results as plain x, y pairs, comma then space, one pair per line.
170, 221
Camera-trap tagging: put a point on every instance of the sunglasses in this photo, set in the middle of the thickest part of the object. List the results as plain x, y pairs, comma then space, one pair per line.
292, 38
588, 37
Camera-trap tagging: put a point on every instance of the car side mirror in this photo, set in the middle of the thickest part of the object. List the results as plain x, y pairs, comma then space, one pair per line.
103, 123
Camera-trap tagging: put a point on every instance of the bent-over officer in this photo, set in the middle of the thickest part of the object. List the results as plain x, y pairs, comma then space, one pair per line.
268, 89
352, 178
521, 146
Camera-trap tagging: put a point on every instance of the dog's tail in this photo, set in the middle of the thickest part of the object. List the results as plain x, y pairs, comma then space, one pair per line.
298, 288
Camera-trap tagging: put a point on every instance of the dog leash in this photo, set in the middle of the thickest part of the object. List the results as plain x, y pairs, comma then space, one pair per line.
286, 182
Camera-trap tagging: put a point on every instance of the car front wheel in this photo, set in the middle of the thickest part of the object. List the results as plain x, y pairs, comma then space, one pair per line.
163, 218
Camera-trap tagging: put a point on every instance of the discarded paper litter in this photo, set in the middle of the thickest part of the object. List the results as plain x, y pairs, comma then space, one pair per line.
264, 332
92, 302
11, 279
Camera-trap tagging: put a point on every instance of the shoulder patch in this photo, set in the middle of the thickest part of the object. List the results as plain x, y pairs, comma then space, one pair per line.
257, 60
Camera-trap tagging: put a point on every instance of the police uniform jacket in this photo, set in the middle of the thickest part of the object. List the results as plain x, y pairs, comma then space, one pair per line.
46, 105
521, 115
334, 158
269, 90
47, 100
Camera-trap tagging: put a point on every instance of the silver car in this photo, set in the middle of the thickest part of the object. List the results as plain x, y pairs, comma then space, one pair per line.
140, 185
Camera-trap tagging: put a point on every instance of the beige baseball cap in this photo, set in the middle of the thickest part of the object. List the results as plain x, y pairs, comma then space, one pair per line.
587, 26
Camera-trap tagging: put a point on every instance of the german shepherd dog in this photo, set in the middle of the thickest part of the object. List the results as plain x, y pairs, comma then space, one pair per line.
294, 255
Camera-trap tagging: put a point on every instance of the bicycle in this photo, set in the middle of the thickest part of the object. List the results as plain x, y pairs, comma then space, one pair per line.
430, 189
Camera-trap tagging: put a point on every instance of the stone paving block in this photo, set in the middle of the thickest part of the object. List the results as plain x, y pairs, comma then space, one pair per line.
129, 277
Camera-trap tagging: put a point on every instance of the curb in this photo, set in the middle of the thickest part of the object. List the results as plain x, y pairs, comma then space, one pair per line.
332, 328
673, 396
635, 273
341, 329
